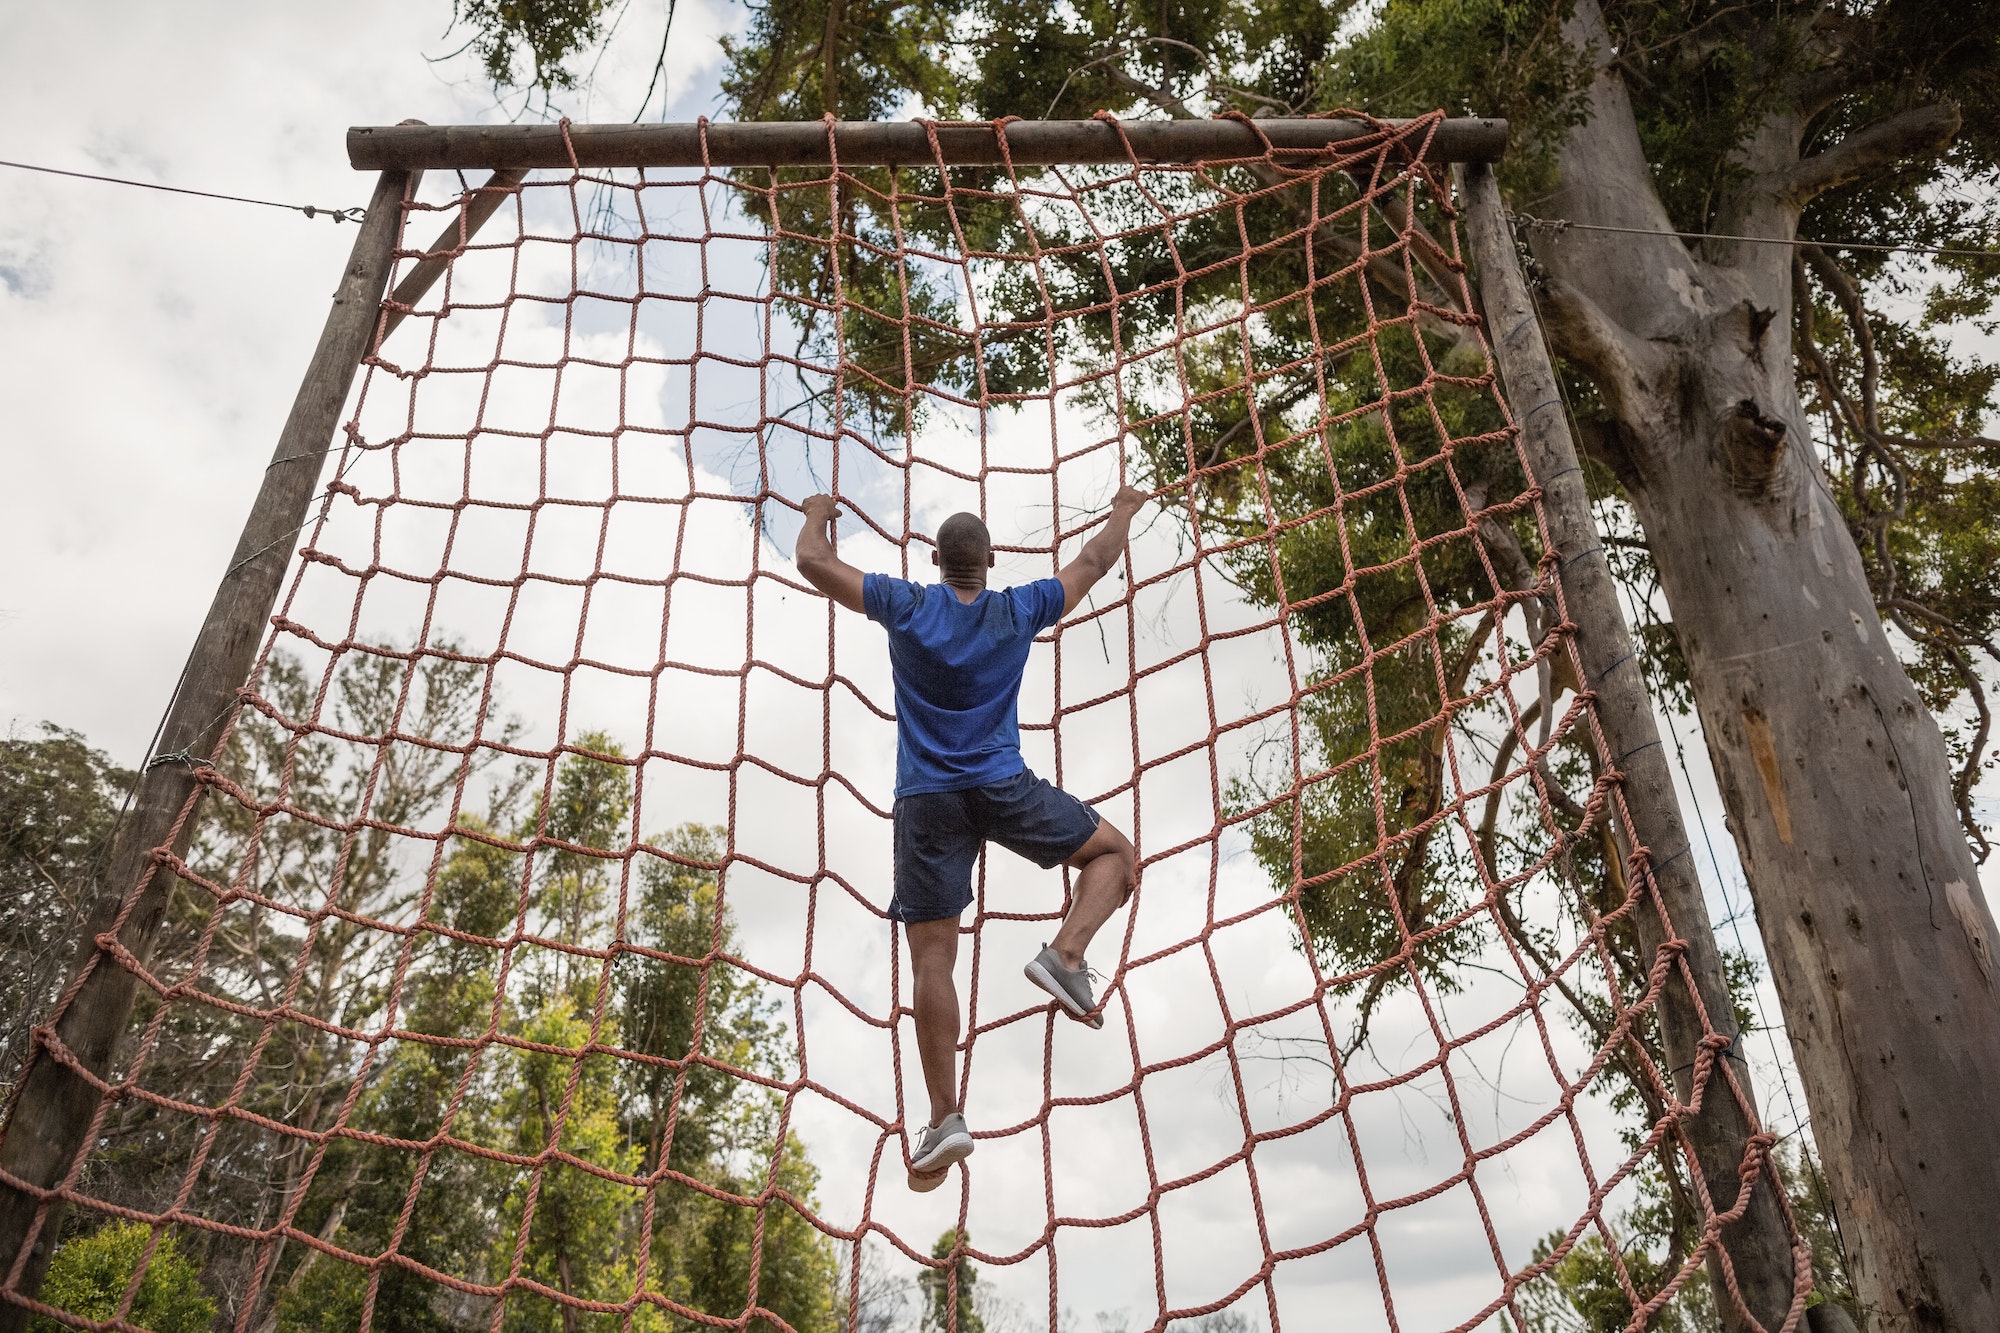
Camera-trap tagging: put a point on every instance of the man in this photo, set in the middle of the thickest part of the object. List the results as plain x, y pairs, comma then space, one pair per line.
957, 650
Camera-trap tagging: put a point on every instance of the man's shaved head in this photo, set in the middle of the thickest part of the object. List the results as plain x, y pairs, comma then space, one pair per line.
963, 545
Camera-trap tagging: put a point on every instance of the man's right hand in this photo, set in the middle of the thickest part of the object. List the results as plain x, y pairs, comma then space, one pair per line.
816, 560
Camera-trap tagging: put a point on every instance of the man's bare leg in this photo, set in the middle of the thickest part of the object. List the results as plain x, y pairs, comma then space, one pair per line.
1106, 882
934, 997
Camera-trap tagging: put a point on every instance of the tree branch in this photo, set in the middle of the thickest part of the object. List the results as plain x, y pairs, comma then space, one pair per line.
1424, 247
1848, 293
1392, 281
1580, 331
1690, 47
1919, 131
1159, 97
1829, 67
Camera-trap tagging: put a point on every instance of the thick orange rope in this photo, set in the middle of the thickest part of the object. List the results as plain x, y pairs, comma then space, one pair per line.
1372, 191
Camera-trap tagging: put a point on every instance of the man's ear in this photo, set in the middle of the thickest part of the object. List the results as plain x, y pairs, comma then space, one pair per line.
934, 558
991, 559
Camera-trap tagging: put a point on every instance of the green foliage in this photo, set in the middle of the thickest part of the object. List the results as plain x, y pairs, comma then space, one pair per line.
562, 1100
1587, 1294
565, 1109
89, 1275
548, 33
1471, 57
59, 803
707, 1263
1583, 1292
855, 59
585, 819
679, 922
1390, 631
465, 1132
551, 1096
948, 1291
993, 65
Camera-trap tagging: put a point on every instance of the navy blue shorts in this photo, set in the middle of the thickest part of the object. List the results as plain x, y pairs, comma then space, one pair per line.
939, 834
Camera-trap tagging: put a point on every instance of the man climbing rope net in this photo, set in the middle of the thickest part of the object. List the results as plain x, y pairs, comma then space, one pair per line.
957, 649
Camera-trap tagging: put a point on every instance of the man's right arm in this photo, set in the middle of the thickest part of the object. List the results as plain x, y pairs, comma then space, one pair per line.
815, 558
1101, 552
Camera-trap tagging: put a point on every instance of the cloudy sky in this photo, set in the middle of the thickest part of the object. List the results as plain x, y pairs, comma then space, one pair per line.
152, 344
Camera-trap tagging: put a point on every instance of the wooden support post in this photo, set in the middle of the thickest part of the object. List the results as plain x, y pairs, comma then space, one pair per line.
482, 204
1759, 1250
62, 1088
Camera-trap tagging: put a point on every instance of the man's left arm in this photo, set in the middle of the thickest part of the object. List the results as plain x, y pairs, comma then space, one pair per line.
815, 558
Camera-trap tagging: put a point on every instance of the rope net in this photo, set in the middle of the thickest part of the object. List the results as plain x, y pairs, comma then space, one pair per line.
530, 966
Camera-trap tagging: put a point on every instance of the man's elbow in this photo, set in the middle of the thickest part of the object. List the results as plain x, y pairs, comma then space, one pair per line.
815, 565
824, 574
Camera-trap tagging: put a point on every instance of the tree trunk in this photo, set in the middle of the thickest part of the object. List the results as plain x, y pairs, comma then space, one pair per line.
1834, 773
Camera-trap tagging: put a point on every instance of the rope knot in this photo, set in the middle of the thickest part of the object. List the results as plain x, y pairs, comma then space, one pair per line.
1756, 1151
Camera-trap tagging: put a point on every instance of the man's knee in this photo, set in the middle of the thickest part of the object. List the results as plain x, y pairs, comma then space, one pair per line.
933, 946
1109, 844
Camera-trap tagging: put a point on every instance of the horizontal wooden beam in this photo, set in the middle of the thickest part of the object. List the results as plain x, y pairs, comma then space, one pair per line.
883, 143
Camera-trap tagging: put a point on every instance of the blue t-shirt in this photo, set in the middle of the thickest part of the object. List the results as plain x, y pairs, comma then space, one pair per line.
958, 672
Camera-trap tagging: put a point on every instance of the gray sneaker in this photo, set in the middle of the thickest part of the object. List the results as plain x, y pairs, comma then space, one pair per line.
1071, 989
937, 1148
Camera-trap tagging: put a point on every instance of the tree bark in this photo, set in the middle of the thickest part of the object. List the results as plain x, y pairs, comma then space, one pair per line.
1835, 776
